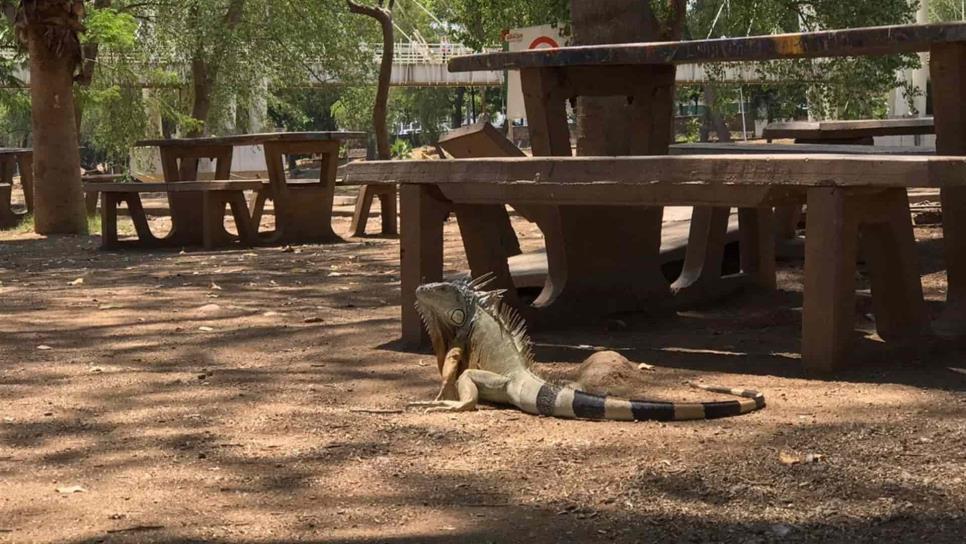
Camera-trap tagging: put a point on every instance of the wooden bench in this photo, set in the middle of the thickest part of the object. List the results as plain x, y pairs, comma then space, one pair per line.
845, 194
213, 196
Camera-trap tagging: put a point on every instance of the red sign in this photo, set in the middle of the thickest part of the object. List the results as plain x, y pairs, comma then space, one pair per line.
544, 42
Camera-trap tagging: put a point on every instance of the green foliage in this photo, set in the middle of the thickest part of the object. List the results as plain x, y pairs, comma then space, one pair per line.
401, 149
110, 27
947, 10
827, 86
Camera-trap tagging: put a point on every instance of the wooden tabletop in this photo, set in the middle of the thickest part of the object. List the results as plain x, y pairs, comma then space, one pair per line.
825, 170
175, 186
795, 149
8, 151
253, 139
836, 130
883, 40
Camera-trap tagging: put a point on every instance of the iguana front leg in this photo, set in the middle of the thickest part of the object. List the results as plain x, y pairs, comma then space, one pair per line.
468, 388
449, 370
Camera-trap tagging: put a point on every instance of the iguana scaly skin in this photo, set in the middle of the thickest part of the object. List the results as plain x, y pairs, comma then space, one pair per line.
484, 354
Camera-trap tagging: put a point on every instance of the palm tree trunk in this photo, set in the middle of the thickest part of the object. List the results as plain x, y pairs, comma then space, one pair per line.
54, 55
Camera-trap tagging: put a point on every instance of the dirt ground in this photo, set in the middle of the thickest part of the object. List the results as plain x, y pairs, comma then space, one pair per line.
257, 396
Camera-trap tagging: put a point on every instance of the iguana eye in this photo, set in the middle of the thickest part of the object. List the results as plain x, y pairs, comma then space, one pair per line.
457, 316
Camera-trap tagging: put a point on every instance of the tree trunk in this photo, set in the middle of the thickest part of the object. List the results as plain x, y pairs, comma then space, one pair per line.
201, 79
204, 71
712, 119
603, 123
54, 55
458, 103
380, 110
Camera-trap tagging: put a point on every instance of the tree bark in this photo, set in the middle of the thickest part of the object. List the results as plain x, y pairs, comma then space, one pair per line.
50, 29
603, 123
380, 110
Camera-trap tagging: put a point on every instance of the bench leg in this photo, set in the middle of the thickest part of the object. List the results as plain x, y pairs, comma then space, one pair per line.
360, 218
258, 207
701, 275
421, 251
757, 232
828, 322
140, 219
247, 231
890, 247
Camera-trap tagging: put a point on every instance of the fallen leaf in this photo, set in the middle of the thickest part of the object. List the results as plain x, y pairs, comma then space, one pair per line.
270, 314
71, 490
78, 281
44, 348
787, 458
215, 287
645, 366
206, 329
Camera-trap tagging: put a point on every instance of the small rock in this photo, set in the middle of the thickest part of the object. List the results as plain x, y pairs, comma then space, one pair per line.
71, 490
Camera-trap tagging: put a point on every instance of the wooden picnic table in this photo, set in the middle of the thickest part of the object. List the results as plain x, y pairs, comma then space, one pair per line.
846, 194
303, 210
11, 160
858, 132
645, 74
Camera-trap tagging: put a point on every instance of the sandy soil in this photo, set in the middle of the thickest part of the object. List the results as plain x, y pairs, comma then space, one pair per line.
254, 396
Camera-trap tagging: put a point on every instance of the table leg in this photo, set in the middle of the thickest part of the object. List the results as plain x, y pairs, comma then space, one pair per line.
890, 247
421, 251
701, 275
948, 72
828, 320
484, 246
757, 246
600, 259
304, 213
187, 210
109, 202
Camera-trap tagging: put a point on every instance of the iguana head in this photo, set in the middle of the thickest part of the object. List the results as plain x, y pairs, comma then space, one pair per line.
447, 310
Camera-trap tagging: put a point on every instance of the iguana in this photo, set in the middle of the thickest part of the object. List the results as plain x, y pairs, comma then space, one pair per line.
484, 354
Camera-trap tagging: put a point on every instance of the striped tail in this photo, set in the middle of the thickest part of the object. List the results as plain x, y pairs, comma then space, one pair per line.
564, 402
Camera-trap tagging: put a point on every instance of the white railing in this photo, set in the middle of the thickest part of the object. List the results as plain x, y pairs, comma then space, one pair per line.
408, 53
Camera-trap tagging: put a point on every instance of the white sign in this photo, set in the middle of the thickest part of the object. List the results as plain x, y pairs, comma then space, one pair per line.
525, 39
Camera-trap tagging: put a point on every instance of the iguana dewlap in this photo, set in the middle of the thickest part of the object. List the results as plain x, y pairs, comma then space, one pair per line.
484, 354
